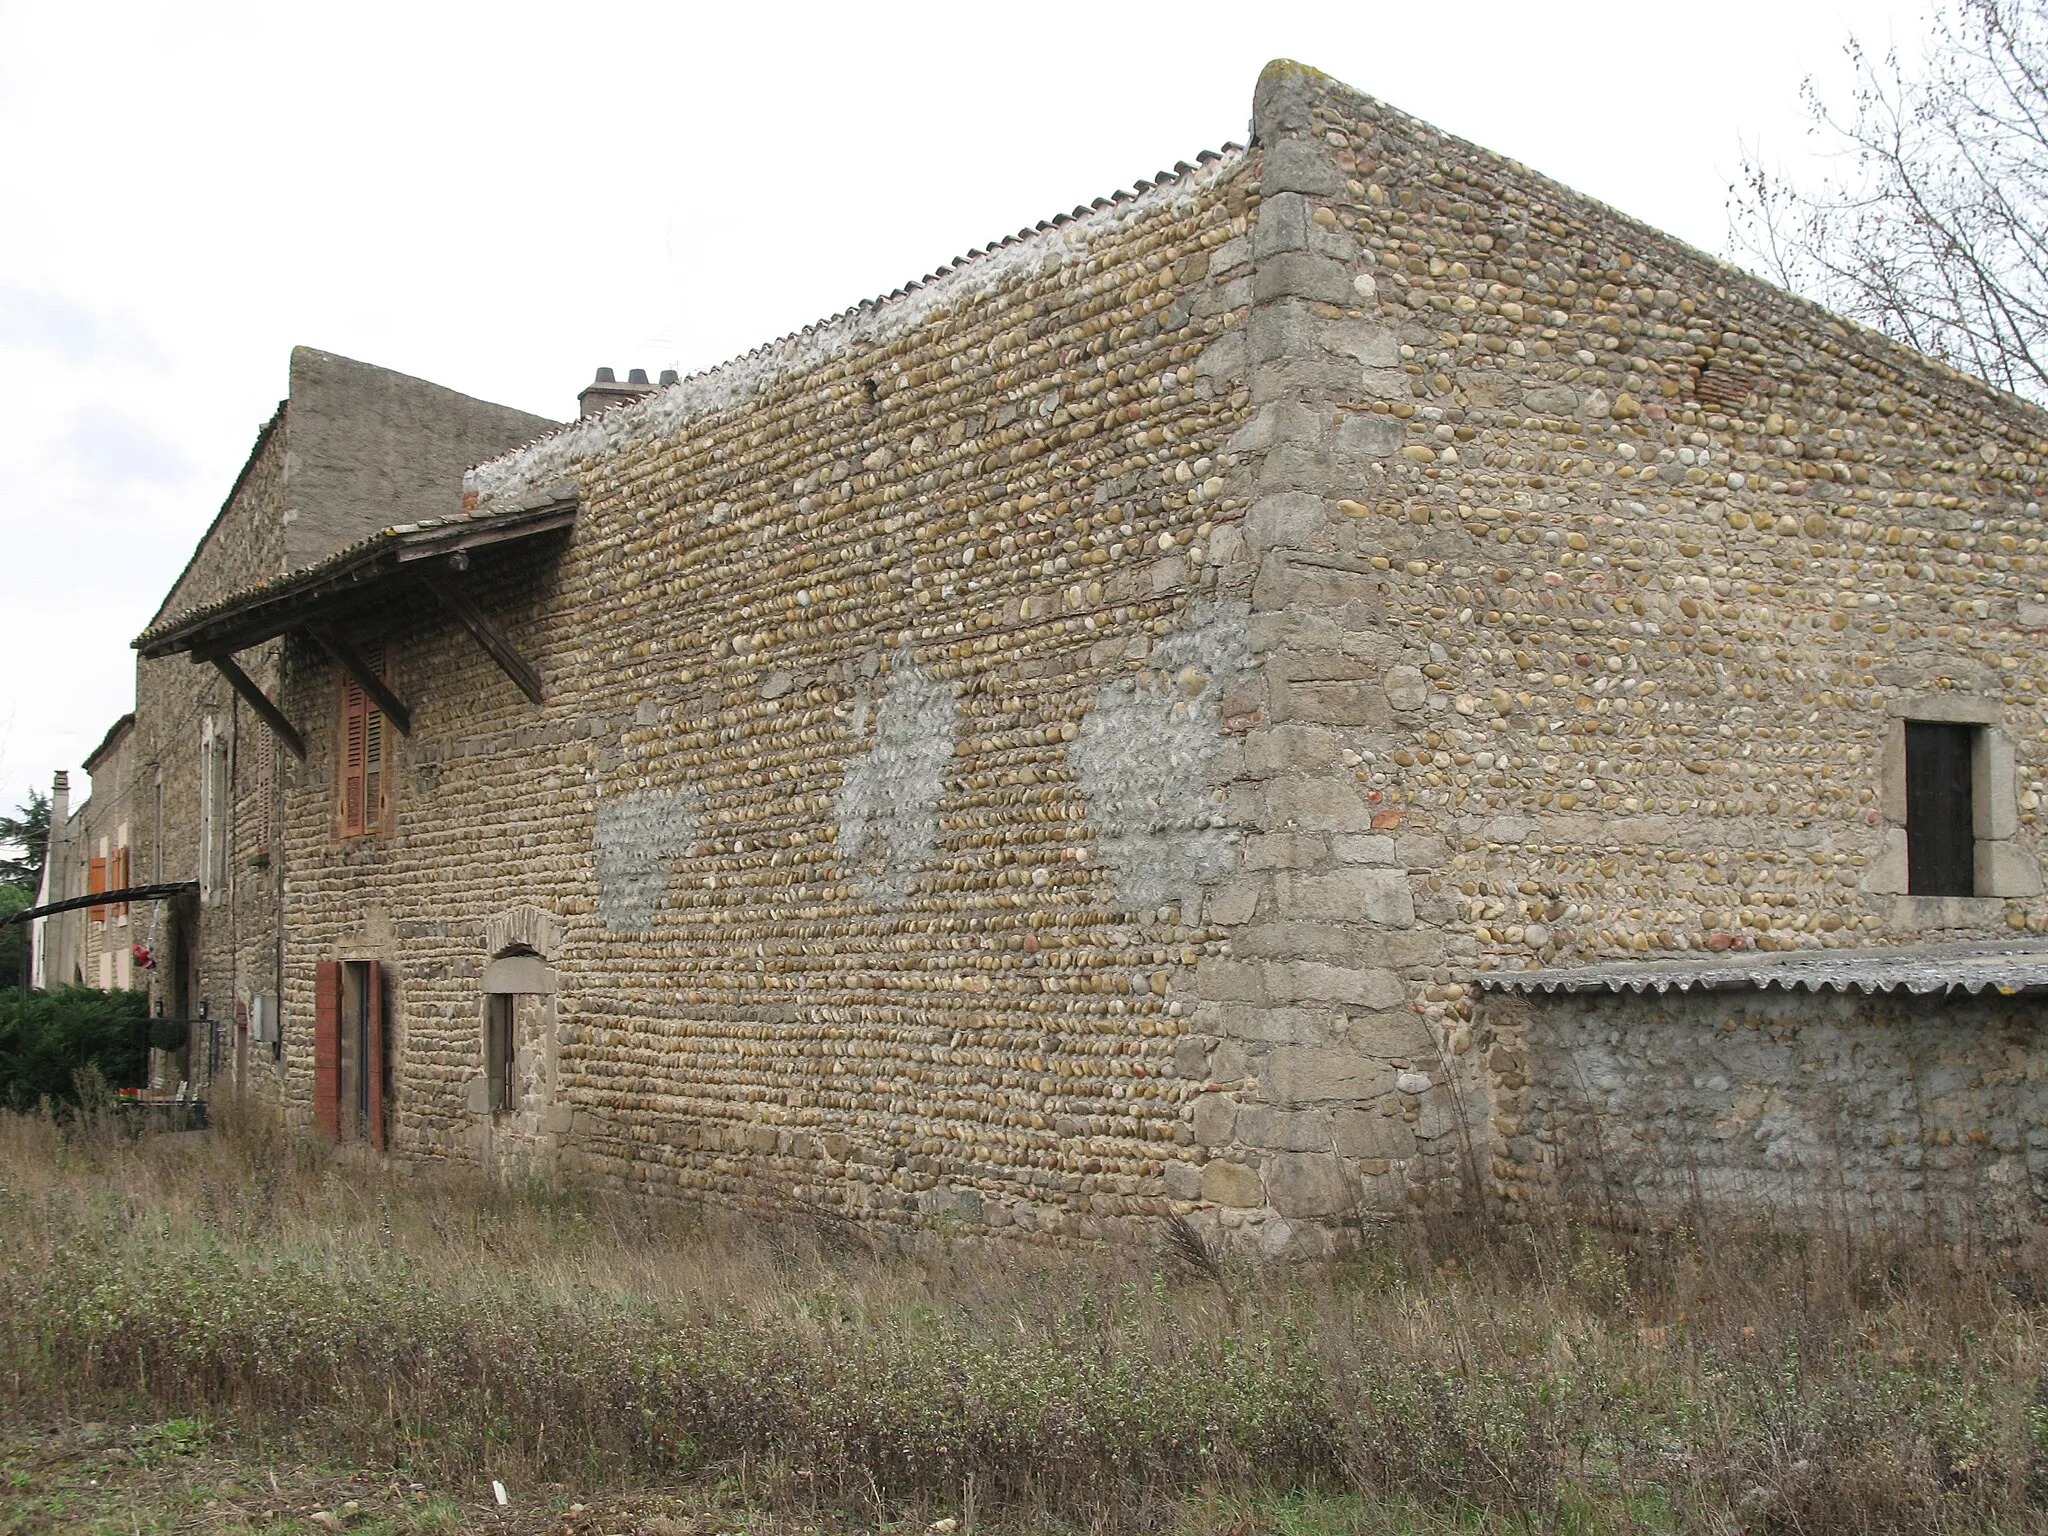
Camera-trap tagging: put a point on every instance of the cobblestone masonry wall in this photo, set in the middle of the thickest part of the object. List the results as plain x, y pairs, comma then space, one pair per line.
234, 934
1594, 577
1426, 568
829, 624
1846, 1110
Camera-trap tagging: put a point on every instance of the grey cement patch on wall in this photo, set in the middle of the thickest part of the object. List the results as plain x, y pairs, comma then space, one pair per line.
1146, 758
636, 835
1882, 1110
888, 806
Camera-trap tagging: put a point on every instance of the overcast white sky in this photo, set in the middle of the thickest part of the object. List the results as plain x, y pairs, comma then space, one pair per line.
502, 197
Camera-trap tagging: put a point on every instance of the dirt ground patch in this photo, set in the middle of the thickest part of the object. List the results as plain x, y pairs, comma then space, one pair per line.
179, 1476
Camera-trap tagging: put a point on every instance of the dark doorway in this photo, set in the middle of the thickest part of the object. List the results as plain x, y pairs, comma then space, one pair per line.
180, 989
350, 1057
1941, 841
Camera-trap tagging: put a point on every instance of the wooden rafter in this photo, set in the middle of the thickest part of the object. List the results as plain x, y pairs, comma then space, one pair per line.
352, 661
257, 700
486, 634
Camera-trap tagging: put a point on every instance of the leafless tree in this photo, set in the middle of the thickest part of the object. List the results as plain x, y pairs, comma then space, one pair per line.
1932, 225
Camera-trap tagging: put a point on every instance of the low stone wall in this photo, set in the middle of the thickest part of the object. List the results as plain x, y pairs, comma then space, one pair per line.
1844, 1109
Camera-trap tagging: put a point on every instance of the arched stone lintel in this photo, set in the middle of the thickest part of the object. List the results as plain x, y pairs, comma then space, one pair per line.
523, 928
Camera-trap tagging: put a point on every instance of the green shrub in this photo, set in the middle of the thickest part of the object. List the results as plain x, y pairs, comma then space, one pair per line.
46, 1038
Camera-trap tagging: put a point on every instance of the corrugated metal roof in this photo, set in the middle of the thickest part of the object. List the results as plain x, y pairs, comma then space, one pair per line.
2016, 966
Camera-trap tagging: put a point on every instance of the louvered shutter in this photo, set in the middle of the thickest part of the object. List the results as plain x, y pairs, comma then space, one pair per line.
96, 882
355, 727
362, 755
373, 769
327, 1048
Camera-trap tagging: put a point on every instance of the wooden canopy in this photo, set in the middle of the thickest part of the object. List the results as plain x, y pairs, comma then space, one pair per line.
316, 602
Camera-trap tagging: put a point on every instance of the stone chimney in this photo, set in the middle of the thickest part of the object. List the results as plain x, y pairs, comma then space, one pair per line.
606, 393
56, 852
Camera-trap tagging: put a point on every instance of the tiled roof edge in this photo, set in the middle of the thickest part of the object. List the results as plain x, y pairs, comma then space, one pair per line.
551, 460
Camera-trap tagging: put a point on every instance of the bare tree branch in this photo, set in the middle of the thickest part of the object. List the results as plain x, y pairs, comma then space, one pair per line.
1931, 224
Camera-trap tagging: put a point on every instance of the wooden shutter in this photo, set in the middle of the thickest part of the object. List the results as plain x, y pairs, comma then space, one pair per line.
362, 755
96, 882
373, 770
375, 978
1941, 843
327, 1048
266, 786
118, 878
355, 730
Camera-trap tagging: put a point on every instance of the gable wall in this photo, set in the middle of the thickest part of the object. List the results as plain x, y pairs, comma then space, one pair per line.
1613, 666
235, 939
372, 449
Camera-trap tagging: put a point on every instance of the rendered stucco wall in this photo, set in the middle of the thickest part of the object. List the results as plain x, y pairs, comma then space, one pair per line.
1844, 1110
373, 449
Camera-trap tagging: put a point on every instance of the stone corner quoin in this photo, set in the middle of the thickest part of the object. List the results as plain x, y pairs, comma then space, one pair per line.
1064, 744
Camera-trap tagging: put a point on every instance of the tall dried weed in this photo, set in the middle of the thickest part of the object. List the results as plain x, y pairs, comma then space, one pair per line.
1551, 1374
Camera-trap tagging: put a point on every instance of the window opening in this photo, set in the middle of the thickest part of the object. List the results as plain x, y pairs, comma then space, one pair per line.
119, 877
1941, 850
500, 1048
213, 812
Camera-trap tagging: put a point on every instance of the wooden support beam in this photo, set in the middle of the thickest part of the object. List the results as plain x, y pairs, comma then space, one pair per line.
351, 661
259, 701
487, 634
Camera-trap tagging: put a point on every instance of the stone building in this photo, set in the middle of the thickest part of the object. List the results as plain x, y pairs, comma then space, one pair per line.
1348, 672
185, 788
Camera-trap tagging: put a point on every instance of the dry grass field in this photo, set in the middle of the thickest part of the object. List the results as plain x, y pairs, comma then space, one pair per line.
242, 1331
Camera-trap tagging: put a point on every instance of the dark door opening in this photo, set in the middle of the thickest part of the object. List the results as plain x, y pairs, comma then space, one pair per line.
351, 1062
1941, 840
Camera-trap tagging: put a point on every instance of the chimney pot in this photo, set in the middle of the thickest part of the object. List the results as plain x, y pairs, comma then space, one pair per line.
607, 393
669, 376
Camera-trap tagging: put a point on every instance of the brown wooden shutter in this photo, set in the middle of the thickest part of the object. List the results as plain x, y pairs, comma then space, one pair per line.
95, 882
355, 730
363, 791
118, 878
376, 1010
327, 1048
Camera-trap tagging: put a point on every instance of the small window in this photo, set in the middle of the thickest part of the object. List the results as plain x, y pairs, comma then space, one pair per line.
213, 813
1941, 820
499, 1048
